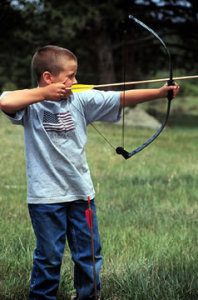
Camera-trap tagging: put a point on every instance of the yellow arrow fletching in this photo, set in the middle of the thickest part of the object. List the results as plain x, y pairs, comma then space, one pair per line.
77, 88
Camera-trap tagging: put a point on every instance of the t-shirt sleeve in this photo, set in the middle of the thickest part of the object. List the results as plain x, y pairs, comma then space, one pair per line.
101, 106
16, 118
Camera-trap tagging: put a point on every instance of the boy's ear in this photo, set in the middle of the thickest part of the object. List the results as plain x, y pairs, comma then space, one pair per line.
47, 77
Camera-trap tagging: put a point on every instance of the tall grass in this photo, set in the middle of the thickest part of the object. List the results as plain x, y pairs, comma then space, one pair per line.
147, 211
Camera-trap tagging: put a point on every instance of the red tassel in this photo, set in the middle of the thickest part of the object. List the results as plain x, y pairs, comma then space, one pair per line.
89, 214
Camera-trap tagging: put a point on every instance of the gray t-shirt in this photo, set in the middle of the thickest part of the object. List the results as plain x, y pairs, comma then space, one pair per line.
55, 135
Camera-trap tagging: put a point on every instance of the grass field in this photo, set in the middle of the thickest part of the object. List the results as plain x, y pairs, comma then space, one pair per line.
147, 210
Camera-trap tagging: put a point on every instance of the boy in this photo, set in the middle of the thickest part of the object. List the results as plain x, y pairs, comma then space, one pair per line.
58, 176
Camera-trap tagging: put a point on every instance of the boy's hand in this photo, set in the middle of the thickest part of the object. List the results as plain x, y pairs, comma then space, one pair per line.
55, 91
163, 91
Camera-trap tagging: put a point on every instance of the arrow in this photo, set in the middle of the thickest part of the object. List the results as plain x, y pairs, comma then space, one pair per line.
77, 88
89, 218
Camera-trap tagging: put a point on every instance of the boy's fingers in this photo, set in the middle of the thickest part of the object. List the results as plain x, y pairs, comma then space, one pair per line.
175, 89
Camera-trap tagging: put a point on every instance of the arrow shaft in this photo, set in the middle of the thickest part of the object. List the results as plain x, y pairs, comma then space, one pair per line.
144, 81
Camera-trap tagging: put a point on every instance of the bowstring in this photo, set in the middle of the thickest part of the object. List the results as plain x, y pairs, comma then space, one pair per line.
94, 127
124, 87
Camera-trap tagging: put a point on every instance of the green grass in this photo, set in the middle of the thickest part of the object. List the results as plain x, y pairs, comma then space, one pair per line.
147, 211
184, 111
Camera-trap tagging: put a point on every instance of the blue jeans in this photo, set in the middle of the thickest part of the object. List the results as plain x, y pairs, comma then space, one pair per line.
53, 224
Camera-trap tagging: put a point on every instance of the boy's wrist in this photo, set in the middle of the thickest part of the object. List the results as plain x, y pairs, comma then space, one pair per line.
43, 93
162, 92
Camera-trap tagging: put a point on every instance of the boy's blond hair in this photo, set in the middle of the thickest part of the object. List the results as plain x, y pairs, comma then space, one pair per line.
49, 58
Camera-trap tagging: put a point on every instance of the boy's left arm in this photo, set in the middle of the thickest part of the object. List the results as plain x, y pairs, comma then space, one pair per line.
133, 97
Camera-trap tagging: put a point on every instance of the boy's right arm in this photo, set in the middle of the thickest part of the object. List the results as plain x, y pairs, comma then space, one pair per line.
14, 101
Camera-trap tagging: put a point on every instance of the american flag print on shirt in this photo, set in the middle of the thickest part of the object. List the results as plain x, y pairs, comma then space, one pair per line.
61, 122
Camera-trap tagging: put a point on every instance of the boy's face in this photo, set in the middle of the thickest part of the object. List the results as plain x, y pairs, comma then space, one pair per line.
68, 75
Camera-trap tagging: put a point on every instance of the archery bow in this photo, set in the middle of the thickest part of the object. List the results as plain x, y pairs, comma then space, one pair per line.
170, 81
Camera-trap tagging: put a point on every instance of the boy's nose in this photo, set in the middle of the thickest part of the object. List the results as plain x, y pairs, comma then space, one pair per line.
75, 81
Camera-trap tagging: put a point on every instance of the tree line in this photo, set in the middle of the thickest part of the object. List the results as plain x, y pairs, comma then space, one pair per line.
109, 46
